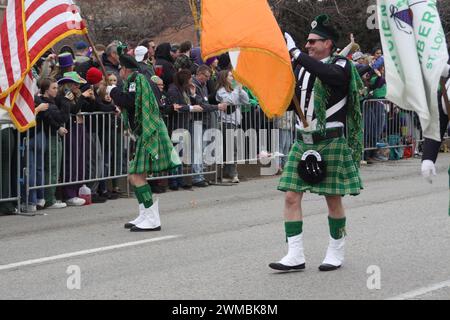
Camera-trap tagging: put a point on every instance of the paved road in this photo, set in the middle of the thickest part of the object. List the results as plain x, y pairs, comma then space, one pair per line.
216, 243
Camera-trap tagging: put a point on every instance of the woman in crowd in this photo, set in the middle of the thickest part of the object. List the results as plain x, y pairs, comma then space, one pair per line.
35, 155
54, 129
231, 93
69, 97
179, 95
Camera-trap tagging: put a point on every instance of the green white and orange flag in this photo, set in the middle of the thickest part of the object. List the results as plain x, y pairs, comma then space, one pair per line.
258, 52
415, 56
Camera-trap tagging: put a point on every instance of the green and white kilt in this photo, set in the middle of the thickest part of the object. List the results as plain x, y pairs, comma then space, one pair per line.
166, 158
342, 174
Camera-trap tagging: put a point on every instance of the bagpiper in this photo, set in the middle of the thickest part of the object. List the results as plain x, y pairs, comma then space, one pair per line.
326, 154
153, 150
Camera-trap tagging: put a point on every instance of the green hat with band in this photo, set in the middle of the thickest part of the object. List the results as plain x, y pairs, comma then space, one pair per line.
322, 27
71, 77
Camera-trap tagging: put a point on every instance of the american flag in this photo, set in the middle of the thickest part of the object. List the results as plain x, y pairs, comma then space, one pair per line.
29, 29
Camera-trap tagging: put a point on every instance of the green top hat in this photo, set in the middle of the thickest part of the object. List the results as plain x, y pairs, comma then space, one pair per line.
322, 27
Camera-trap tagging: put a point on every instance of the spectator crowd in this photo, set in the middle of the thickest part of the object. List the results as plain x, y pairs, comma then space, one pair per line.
81, 136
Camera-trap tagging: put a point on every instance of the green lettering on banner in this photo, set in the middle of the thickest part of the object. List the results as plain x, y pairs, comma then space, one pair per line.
432, 4
401, 3
424, 32
383, 11
438, 41
391, 45
428, 17
430, 62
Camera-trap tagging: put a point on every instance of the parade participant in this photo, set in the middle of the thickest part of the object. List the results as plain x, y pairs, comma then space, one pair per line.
153, 148
322, 160
431, 147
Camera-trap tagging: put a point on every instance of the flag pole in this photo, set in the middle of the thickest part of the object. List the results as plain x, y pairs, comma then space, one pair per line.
300, 112
445, 96
94, 50
91, 44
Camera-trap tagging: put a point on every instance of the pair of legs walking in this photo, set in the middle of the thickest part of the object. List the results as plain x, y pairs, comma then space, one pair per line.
148, 218
293, 216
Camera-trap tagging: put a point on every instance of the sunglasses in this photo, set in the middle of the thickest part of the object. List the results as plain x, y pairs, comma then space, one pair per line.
313, 41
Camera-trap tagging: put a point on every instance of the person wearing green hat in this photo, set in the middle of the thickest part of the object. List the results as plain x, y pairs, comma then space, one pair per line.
70, 101
324, 159
154, 151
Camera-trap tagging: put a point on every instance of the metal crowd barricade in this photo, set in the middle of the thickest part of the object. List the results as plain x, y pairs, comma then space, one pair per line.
250, 137
387, 126
93, 149
97, 147
9, 168
192, 134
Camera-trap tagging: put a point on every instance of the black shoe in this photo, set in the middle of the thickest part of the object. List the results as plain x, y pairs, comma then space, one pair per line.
187, 187
174, 188
128, 225
158, 189
110, 195
98, 199
281, 267
136, 229
328, 267
201, 184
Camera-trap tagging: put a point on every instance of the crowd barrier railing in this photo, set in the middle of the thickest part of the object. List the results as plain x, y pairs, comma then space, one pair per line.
94, 148
9, 169
386, 126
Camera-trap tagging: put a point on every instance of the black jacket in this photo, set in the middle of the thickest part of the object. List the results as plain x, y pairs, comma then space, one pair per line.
53, 118
164, 59
336, 76
182, 118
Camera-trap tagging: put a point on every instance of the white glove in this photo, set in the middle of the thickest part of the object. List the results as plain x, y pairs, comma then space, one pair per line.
290, 42
109, 89
428, 170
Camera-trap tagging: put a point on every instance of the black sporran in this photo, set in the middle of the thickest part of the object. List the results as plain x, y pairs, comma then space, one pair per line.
312, 168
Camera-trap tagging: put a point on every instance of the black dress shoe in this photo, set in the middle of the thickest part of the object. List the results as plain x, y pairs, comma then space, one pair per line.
136, 229
109, 195
128, 225
98, 199
187, 187
281, 267
328, 267
201, 184
173, 188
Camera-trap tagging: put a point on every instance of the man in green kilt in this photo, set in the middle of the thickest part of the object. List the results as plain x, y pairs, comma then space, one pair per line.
325, 157
154, 150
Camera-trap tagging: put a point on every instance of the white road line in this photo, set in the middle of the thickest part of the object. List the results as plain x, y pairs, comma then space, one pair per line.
422, 291
83, 252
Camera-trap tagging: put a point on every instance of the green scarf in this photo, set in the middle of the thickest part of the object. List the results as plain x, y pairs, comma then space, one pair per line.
354, 115
146, 113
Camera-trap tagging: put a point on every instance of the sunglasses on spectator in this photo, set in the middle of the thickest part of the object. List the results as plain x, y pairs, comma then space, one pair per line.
313, 41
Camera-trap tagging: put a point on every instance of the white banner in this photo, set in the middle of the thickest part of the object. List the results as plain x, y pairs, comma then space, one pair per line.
415, 55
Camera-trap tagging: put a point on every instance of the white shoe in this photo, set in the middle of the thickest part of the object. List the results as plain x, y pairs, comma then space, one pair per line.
58, 205
40, 203
138, 220
295, 259
235, 180
335, 255
76, 202
30, 208
151, 220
